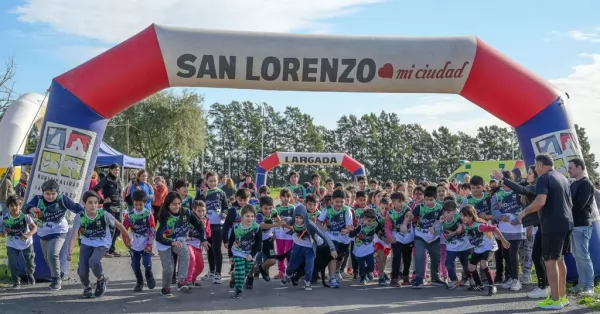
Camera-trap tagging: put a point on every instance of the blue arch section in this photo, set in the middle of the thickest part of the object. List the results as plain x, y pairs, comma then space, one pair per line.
261, 176
66, 109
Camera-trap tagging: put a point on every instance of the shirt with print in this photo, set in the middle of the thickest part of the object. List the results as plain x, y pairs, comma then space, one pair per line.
52, 222
188, 203
216, 203
480, 237
364, 238
234, 216
358, 214
510, 206
336, 220
312, 190
14, 228
425, 218
262, 218
194, 237
381, 219
298, 191
141, 227
245, 241
394, 220
284, 212
176, 228
95, 231
457, 242
482, 205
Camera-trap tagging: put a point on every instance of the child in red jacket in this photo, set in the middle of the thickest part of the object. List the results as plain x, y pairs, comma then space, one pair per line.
196, 264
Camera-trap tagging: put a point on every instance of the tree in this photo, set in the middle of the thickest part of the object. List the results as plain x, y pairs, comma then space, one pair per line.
167, 129
7, 75
589, 158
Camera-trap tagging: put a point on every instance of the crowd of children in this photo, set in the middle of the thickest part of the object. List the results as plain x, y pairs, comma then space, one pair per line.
352, 230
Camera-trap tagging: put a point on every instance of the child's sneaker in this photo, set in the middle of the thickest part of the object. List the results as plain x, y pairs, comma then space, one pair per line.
279, 275
231, 282
87, 292
395, 282
405, 281
166, 292
16, 286
139, 286
492, 290
307, 286
475, 288
249, 284
208, 277
387, 278
438, 282
382, 281
285, 280
334, 283
452, 284
238, 294
464, 282
507, 284
370, 276
30, 279
181, 286
418, 285
101, 287
375, 272
150, 281
56, 284
363, 282
264, 273
216, 279
516, 285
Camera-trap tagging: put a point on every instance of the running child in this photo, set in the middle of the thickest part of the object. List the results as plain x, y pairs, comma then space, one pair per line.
306, 236
479, 234
48, 211
424, 217
234, 216
245, 242
216, 211
383, 245
174, 224
196, 265
364, 239
399, 229
141, 225
268, 220
93, 228
282, 238
360, 206
181, 186
338, 221
457, 244
18, 230
441, 193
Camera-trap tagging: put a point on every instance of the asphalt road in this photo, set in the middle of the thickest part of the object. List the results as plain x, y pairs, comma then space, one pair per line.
265, 298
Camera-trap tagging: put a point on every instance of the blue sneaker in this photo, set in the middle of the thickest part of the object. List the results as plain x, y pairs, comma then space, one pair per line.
334, 283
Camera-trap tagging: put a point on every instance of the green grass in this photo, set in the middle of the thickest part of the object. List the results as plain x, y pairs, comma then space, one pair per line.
5, 274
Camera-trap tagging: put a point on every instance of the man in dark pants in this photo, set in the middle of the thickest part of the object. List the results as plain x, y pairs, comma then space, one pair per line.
553, 204
112, 190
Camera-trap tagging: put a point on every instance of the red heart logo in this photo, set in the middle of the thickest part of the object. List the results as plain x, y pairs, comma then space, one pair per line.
386, 71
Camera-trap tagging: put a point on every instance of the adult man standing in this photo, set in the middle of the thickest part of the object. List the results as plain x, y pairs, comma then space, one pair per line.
582, 194
6, 188
553, 204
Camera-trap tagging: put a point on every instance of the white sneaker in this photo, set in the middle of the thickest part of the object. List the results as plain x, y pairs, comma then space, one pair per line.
217, 279
538, 293
516, 285
586, 292
507, 284
208, 277
526, 280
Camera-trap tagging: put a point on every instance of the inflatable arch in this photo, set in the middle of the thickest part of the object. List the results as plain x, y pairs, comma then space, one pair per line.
317, 159
83, 99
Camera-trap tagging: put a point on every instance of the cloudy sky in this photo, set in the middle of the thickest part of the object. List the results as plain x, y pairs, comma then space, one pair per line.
560, 42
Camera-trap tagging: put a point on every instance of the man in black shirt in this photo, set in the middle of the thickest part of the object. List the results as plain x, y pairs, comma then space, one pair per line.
582, 193
111, 189
553, 204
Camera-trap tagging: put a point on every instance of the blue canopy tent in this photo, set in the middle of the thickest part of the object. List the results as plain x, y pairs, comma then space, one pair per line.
106, 157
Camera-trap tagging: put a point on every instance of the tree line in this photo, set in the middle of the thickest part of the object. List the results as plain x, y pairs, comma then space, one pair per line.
179, 138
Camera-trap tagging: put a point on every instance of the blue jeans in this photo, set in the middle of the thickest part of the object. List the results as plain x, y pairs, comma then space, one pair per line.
580, 247
463, 258
146, 259
366, 264
433, 249
301, 254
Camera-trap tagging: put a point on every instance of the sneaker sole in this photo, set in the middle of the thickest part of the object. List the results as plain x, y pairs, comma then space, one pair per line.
105, 288
184, 289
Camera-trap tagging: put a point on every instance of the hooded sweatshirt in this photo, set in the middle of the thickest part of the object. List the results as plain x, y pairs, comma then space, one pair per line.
307, 234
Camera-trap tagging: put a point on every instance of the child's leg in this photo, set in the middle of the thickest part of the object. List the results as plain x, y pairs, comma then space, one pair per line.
525, 258
166, 261
85, 253
354, 260
175, 266
499, 260
52, 255
287, 247
147, 262
362, 267
370, 263
475, 259
184, 262
443, 270
95, 261
199, 267
433, 249
487, 272
296, 259
406, 251
309, 263
13, 266
216, 245
29, 256
192, 265
280, 250
450, 266
513, 256
420, 259
136, 256
239, 273
397, 259
463, 258
211, 259
381, 258
248, 264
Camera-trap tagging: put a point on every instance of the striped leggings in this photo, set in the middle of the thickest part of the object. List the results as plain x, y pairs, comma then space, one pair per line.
242, 268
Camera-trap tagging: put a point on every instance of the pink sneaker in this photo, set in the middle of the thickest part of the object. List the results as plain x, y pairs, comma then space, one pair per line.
280, 275
375, 273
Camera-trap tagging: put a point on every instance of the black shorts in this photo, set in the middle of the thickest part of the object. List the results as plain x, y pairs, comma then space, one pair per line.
555, 245
478, 257
342, 249
268, 249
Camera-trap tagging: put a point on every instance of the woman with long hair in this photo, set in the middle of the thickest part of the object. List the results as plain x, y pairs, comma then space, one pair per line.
229, 187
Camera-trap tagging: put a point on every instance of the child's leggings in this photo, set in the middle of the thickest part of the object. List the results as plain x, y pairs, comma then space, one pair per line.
442, 269
283, 246
196, 264
241, 269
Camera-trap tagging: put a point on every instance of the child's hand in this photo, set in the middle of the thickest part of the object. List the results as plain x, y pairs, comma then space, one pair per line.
248, 257
177, 244
107, 200
334, 255
25, 236
36, 211
410, 216
530, 233
205, 192
344, 231
148, 249
449, 234
205, 245
505, 218
506, 244
69, 254
392, 241
403, 229
482, 215
431, 230
128, 240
